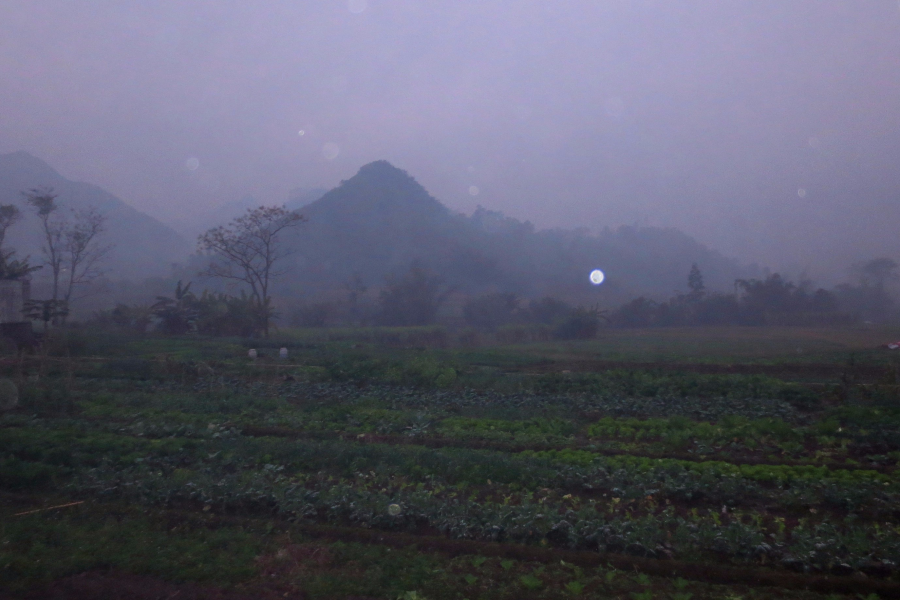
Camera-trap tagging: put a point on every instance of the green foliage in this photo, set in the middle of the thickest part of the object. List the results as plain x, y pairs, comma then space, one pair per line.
18, 474
580, 324
9, 395
12, 268
43, 547
45, 310
311, 315
133, 318
176, 315
530, 582
680, 433
214, 314
490, 311
531, 429
410, 299
695, 280
771, 301
575, 588
208, 437
646, 383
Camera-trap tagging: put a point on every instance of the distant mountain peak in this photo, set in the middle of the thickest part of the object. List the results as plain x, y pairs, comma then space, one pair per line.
382, 168
381, 187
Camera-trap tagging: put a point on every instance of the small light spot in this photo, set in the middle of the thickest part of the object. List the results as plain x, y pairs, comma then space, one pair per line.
357, 6
301, 132
330, 151
394, 510
192, 164
813, 142
597, 276
470, 169
801, 192
473, 190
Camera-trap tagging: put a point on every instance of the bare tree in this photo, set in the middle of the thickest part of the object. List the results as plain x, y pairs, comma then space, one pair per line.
247, 249
72, 244
44, 202
82, 250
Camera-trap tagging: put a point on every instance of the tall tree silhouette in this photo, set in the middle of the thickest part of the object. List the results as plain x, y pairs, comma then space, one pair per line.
247, 250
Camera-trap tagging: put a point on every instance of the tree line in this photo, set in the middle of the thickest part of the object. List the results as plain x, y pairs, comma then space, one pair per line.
250, 250
772, 300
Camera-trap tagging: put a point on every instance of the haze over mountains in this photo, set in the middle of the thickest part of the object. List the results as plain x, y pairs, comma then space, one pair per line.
766, 130
143, 247
378, 223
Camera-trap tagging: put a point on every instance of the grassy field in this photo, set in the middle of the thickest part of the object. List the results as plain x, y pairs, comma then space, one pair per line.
676, 463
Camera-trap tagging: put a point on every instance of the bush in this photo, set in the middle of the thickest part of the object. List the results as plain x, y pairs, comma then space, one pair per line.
490, 311
311, 315
581, 324
548, 310
412, 299
9, 395
520, 334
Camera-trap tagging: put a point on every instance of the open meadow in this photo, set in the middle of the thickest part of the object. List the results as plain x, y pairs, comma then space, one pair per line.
397, 463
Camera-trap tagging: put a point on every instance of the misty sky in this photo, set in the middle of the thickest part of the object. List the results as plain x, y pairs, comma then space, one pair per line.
769, 130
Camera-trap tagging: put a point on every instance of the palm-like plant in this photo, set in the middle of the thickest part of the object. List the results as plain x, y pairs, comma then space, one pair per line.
177, 315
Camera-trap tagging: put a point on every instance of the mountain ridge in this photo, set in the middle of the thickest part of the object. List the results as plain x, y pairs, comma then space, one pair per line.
143, 245
381, 220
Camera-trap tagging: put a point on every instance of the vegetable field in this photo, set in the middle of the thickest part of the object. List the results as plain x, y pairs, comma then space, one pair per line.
359, 469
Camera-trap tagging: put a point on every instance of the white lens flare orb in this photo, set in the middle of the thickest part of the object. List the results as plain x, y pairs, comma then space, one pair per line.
192, 163
330, 151
597, 276
473, 190
301, 132
394, 510
801, 192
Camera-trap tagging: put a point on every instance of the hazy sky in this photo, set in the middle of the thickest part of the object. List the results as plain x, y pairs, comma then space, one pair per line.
767, 129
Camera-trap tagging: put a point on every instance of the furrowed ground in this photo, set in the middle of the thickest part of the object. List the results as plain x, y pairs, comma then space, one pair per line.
701, 463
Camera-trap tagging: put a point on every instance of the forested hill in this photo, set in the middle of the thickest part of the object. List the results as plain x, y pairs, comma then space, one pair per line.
381, 220
142, 246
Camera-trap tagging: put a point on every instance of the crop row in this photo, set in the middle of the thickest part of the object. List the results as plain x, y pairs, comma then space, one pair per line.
844, 435
780, 474
732, 538
33, 454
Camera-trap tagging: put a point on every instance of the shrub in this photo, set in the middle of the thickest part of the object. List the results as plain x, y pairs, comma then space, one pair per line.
490, 311
581, 324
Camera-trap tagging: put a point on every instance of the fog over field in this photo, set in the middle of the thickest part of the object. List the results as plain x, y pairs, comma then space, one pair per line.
768, 130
